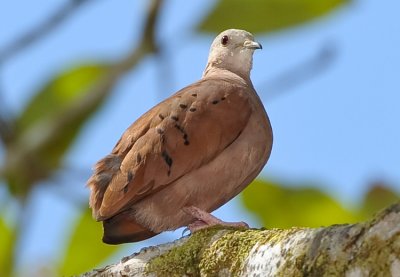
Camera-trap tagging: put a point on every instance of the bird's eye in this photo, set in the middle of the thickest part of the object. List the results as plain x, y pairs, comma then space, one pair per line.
224, 40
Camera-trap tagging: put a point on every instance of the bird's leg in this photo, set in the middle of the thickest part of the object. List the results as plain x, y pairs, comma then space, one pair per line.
205, 219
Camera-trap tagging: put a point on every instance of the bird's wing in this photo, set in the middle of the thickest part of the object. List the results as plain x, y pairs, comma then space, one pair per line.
175, 137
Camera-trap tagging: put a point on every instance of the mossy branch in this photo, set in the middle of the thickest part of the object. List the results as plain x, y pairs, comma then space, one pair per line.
365, 249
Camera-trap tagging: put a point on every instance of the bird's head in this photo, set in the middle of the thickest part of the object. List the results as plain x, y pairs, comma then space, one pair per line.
233, 50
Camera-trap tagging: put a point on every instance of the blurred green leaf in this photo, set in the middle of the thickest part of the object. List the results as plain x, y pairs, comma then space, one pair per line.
283, 207
50, 123
54, 99
377, 198
61, 91
6, 237
85, 249
265, 15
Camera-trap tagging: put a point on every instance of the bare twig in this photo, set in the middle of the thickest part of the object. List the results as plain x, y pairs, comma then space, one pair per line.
147, 42
301, 72
45, 28
5, 129
6, 121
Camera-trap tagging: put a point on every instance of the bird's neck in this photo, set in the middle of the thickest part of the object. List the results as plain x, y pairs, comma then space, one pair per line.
214, 71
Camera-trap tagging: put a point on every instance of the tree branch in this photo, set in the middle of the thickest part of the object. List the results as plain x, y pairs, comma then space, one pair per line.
98, 91
6, 121
5, 129
301, 72
41, 30
364, 249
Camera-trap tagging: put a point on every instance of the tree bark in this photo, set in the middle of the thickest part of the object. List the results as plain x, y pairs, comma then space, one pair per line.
364, 249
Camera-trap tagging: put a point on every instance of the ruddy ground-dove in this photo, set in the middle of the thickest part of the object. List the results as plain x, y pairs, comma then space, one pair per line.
189, 154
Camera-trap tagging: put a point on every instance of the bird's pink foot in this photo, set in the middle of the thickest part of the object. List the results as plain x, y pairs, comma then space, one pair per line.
205, 220
197, 225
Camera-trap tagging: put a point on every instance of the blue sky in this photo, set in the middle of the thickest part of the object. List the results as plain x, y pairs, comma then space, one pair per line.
339, 130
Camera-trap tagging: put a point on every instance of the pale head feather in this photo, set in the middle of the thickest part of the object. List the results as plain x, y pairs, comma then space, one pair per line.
236, 55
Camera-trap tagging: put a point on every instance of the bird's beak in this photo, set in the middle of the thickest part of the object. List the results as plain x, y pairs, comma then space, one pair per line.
249, 44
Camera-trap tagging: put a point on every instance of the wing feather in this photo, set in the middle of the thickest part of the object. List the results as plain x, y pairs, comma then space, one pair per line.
178, 135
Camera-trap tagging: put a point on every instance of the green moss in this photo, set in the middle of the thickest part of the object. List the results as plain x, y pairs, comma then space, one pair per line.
228, 253
184, 259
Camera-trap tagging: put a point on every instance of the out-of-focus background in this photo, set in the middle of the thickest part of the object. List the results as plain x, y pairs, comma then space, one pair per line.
74, 74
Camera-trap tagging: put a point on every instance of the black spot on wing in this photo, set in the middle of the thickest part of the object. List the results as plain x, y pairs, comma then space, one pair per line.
185, 135
179, 128
185, 138
130, 176
159, 131
168, 160
129, 179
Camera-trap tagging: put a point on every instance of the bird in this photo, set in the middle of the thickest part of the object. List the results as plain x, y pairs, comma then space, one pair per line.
189, 154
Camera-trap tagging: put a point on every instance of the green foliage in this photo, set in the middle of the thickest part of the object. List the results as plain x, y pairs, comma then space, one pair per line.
6, 237
49, 124
377, 198
279, 206
283, 207
51, 104
59, 93
85, 249
266, 15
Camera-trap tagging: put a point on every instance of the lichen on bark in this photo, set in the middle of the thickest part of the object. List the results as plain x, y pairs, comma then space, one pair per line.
230, 251
364, 249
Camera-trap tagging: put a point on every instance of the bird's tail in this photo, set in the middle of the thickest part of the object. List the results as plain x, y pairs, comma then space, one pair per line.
122, 228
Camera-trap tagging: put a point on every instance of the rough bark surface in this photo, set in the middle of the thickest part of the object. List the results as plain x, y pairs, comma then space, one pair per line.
365, 249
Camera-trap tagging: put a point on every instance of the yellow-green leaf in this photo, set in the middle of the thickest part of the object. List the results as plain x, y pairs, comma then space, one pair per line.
50, 123
377, 198
6, 238
85, 249
60, 92
265, 15
55, 99
283, 207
